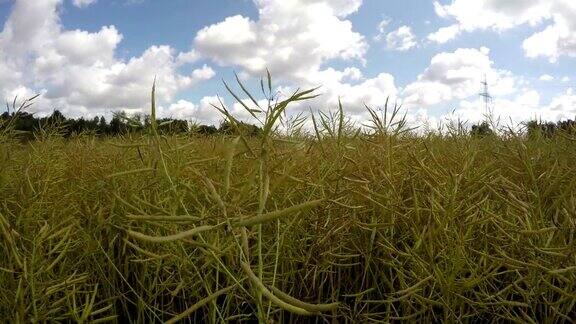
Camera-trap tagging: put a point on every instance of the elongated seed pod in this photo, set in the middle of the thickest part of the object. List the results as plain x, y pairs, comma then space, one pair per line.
245, 245
414, 287
305, 305
170, 238
229, 162
267, 217
280, 303
559, 271
145, 252
199, 304
166, 218
215, 195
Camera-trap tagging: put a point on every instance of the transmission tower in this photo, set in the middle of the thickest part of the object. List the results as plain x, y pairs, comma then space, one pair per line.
486, 96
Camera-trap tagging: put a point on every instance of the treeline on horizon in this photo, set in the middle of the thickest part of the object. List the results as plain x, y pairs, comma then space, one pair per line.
28, 125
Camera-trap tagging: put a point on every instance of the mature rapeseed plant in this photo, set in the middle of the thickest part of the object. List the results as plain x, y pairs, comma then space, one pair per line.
372, 224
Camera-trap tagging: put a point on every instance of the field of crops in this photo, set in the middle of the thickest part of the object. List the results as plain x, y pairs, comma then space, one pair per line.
335, 227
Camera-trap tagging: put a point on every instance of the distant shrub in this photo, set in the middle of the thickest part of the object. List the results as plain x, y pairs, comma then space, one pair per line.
246, 129
537, 129
205, 130
481, 130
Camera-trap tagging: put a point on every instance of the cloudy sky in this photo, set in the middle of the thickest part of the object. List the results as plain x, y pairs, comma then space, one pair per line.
93, 57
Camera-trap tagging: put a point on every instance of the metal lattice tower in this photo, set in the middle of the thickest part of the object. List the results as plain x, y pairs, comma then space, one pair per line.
486, 96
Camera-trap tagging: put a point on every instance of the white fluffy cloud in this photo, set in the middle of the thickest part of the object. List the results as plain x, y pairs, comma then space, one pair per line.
295, 39
562, 106
444, 34
77, 71
456, 78
457, 75
546, 78
372, 92
80, 73
401, 39
291, 38
555, 40
382, 25
204, 111
523, 107
494, 14
83, 3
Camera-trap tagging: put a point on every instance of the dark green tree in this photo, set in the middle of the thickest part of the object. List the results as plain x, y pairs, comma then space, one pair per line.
481, 130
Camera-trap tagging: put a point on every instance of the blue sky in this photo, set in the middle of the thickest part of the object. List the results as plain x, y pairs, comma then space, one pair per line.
91, 57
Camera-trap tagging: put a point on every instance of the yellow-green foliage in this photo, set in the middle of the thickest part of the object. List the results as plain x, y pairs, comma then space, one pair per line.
412, 228
344, 228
